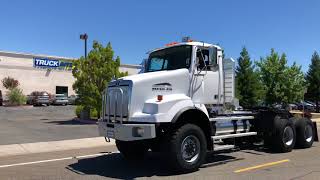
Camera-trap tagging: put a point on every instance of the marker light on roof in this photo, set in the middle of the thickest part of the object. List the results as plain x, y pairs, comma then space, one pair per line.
172, 43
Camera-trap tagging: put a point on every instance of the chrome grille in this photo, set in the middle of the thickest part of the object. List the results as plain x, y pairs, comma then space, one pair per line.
115, 104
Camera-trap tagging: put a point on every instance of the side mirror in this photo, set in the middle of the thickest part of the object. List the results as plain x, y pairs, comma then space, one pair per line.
143, 66
145, 63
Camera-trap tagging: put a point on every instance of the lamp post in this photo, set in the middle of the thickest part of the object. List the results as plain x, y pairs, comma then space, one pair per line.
85, 113
84, 37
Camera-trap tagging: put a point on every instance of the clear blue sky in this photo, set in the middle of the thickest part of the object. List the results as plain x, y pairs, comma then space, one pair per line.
136, 26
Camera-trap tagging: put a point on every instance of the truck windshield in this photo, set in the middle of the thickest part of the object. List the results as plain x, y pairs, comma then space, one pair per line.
170, 59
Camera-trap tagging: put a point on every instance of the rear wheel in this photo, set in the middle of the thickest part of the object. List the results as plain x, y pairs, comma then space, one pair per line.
305, 134
284, 136
187, 148
132, 150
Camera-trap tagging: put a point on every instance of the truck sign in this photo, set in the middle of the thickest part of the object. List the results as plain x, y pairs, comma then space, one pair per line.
51, 64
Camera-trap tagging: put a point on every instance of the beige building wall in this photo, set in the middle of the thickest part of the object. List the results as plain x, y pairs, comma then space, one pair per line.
20, 66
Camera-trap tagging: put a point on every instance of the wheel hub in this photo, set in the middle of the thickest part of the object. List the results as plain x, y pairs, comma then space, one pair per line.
288, 136
190, 148
308, 133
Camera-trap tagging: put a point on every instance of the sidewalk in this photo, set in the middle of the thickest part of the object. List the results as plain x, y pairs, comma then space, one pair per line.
316, 120
51, 146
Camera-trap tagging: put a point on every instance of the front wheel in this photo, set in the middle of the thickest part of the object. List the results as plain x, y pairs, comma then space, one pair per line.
187, 148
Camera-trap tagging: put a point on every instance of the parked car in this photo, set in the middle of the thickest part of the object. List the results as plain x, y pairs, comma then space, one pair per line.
60, 99
1, 98
293, 107
306, 106
72, 99
37, 98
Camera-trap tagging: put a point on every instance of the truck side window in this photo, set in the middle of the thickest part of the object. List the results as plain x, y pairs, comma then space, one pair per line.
203, 59
213, 56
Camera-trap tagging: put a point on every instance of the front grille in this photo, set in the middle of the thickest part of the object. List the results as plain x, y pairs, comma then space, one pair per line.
115, 104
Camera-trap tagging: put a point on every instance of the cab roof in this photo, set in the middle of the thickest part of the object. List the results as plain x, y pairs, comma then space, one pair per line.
192, 43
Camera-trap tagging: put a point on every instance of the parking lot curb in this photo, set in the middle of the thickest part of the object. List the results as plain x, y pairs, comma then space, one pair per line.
52, 146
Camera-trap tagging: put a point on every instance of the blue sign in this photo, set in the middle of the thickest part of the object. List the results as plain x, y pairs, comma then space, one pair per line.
51, 63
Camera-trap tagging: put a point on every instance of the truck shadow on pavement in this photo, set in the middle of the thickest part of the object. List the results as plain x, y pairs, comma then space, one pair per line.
69, 122
114, 166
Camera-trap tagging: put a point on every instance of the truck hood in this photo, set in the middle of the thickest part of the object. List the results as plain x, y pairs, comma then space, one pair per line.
148, 85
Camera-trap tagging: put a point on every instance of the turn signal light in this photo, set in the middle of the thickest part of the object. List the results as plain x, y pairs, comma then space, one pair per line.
159, 97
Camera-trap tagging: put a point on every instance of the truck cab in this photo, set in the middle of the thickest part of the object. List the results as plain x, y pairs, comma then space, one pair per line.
178, 105
179, 77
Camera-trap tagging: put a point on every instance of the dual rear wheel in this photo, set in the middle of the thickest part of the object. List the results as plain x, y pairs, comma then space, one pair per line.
305, 132
290, 133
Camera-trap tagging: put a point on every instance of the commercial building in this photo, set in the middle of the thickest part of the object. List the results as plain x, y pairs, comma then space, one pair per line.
43, 73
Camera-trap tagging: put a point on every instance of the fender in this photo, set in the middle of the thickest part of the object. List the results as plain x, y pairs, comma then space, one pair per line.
179, 113
199, 118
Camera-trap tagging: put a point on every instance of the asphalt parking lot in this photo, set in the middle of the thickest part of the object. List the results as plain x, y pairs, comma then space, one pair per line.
107, 163
33, 124
29, 124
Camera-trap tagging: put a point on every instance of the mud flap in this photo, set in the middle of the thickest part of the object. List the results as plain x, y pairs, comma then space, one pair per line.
315, 129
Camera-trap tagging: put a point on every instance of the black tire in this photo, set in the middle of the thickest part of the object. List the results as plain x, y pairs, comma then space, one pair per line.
188, 140
132, 150
284, 136
304, 130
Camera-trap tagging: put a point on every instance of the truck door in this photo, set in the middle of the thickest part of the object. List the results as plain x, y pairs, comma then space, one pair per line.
205, 80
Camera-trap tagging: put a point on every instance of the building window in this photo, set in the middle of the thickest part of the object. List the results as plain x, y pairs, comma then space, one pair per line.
62, 90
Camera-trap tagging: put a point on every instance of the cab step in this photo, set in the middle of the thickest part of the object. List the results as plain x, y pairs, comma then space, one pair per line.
227, 136
231, 118
217, 147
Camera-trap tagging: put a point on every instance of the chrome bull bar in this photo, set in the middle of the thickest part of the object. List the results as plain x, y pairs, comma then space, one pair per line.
107, 104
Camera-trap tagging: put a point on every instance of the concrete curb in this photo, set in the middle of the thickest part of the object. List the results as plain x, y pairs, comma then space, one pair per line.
51, 146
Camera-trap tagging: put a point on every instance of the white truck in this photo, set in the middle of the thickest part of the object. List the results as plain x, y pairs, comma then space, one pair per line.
181, 105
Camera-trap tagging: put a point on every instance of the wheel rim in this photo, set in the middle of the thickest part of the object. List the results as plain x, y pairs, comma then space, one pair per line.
190, 148
308, 133
288, 136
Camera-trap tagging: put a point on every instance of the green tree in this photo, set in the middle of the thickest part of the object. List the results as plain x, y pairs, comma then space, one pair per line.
282, 83
313, 80
247, 84
94, 73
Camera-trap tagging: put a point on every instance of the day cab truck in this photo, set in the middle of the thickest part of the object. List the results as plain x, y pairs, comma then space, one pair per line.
182, 105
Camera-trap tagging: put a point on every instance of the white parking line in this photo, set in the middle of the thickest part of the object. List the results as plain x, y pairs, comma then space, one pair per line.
53, 160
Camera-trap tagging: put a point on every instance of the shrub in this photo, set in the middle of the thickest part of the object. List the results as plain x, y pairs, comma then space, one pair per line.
93, 114
10, 83
78, 110
16, 97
